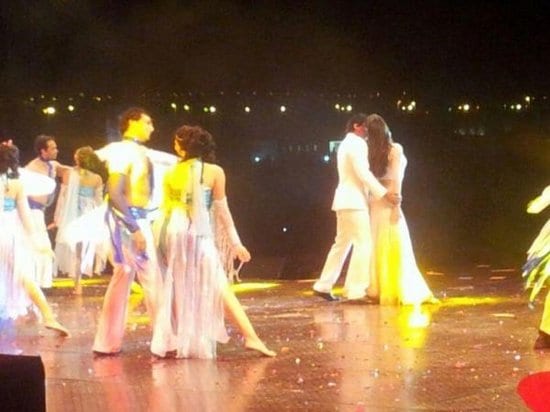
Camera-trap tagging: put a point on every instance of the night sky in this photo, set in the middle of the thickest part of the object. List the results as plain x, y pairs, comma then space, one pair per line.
435, 49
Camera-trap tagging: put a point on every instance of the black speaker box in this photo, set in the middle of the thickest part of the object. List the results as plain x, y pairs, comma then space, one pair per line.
22, 383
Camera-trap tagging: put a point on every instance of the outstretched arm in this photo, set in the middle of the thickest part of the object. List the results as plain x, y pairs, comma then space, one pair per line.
223, 216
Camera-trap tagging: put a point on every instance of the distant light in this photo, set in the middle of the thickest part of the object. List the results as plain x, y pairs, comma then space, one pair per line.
186, 107
282, 109
50, 110
97, 98
285, 229
173, 106
410, 107
337, 106
349, 108
247, 109
257, 159
326, 158
54, 99
449, 109
212, 109
403, 108
466, 107
528, 99
70, 108
205, 109
518, 106
31, 99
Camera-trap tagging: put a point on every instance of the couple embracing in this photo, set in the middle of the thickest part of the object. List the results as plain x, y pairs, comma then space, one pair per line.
382, 265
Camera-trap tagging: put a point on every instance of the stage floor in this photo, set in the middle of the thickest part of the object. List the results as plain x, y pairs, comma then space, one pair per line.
467, 353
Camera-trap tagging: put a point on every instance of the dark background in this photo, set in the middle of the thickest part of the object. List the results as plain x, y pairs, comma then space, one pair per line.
469, 175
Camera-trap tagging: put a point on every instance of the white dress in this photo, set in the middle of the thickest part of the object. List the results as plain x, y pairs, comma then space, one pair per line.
14, 301
190, 319
75, 201
395, 277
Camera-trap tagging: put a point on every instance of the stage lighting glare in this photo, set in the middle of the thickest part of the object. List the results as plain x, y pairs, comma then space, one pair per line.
50, 110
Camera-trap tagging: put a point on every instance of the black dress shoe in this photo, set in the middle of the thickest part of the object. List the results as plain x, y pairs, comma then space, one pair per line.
326, 295
543, 341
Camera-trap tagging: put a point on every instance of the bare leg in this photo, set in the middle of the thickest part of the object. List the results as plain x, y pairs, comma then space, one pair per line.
38, 298
77, 284
77, 271
234, 309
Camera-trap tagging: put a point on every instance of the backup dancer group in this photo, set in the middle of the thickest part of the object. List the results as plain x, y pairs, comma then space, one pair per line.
183, 254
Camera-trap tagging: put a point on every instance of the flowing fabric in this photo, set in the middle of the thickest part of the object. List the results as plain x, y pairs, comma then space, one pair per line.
191, 318
79, 247
14, 301
536, 269
395, 277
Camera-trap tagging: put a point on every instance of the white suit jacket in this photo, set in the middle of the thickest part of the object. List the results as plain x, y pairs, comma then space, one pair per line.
355, 180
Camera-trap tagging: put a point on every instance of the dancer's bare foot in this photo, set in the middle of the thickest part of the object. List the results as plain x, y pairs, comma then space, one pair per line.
77, 289
54, 325
258, 345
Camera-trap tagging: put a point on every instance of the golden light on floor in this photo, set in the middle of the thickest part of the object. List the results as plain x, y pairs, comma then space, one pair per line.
69, 282
251, 286
472, 300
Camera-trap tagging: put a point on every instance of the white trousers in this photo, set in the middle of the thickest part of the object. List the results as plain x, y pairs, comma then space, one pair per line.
112, 320
352, 230
42, 264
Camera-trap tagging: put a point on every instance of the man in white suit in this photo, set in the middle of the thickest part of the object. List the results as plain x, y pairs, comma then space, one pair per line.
355, 182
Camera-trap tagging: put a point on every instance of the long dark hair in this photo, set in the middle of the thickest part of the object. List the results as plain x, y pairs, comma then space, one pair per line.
9, 160
88, 159
379, 141
196, 142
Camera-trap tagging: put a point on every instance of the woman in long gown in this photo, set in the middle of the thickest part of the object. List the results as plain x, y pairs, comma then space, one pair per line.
395, 277
18, 291
536, 270
81, 193
196, 236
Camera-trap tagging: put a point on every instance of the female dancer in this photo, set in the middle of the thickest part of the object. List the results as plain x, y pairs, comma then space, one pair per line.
81, 192
537, 268
195, 235
395, 278
17, 289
